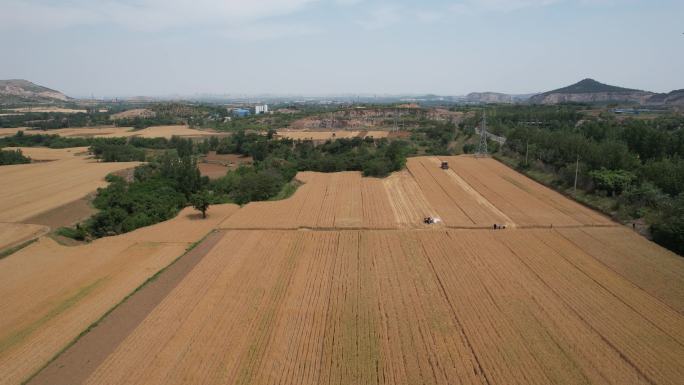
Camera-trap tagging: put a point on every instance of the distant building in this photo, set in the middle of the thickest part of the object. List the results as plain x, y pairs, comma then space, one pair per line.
261, 109
240, 112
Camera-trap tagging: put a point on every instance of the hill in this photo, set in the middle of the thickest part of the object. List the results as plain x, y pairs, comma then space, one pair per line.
23, 91
592, 91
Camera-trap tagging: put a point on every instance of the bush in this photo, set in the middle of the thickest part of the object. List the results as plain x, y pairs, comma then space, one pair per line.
668, 230
13, 157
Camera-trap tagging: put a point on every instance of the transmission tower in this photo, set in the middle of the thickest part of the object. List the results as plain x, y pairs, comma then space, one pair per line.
482, 148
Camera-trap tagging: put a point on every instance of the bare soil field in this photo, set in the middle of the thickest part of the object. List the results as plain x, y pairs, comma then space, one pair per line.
65, 215
215, 165
31, 189
51, 293
227, 159
401, 307
134, 113
212, 170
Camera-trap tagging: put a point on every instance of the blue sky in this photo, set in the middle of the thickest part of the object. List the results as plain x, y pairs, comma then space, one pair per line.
319, 47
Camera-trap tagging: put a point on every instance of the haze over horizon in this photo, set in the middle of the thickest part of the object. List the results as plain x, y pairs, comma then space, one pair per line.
324, 47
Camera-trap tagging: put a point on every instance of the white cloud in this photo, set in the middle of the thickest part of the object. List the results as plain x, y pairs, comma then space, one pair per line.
382, 16
143, 14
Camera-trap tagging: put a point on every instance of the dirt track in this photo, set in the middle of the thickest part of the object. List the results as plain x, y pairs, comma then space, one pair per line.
75, 364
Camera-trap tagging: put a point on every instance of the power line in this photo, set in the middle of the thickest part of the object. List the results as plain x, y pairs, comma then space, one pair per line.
482, 147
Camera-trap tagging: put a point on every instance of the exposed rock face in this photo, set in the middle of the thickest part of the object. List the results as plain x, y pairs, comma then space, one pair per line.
591, 91
674, 98
489, 97
18, 90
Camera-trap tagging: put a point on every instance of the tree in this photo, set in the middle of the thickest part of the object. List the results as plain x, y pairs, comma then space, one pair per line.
612, 181
668, 230
200, 202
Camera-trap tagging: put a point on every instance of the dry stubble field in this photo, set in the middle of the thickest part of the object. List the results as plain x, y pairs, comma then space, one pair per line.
343, 284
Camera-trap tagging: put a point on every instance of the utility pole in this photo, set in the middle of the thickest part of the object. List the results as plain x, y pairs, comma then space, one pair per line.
576, 172
482, 147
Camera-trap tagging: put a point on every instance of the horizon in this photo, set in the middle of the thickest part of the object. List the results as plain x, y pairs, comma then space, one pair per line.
319, 48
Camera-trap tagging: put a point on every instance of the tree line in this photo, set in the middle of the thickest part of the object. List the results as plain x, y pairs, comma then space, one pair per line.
638, 163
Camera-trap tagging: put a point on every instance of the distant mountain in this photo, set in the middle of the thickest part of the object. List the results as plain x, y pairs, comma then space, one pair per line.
23, 91
591, 91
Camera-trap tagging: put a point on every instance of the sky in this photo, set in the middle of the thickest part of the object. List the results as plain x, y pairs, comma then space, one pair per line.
108, 48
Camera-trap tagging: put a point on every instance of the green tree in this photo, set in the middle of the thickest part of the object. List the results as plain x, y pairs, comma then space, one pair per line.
612, 181
668, 230
200, 202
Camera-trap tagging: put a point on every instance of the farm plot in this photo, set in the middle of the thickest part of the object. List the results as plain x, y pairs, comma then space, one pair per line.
51, 293
340, 200
525, 201
330, 134
401, 307
13, 234
647, 265
116, 132
31, 189
473, 194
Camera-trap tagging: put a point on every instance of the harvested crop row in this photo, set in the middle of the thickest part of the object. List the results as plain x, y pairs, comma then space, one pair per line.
473, 205
529, 209
437, 194
558, 201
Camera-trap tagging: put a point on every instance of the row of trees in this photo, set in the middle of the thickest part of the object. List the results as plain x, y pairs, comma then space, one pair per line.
639, 163
167, 183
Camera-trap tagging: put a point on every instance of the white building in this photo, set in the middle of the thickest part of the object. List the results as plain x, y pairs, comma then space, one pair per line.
261, 109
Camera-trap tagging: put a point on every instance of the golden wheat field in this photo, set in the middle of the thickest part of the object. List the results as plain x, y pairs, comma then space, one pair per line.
114, 132
30, 189
51, 293
343, 283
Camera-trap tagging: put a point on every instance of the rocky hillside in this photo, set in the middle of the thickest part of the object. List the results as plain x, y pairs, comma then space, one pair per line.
591, 91
488, 97
674, 98
23, 91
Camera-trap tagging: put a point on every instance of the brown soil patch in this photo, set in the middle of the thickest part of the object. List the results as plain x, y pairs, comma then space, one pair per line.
134, 113
76, 363
212, 170
65, 215
227, 159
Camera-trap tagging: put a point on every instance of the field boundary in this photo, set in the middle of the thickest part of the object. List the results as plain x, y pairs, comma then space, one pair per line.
74, 363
